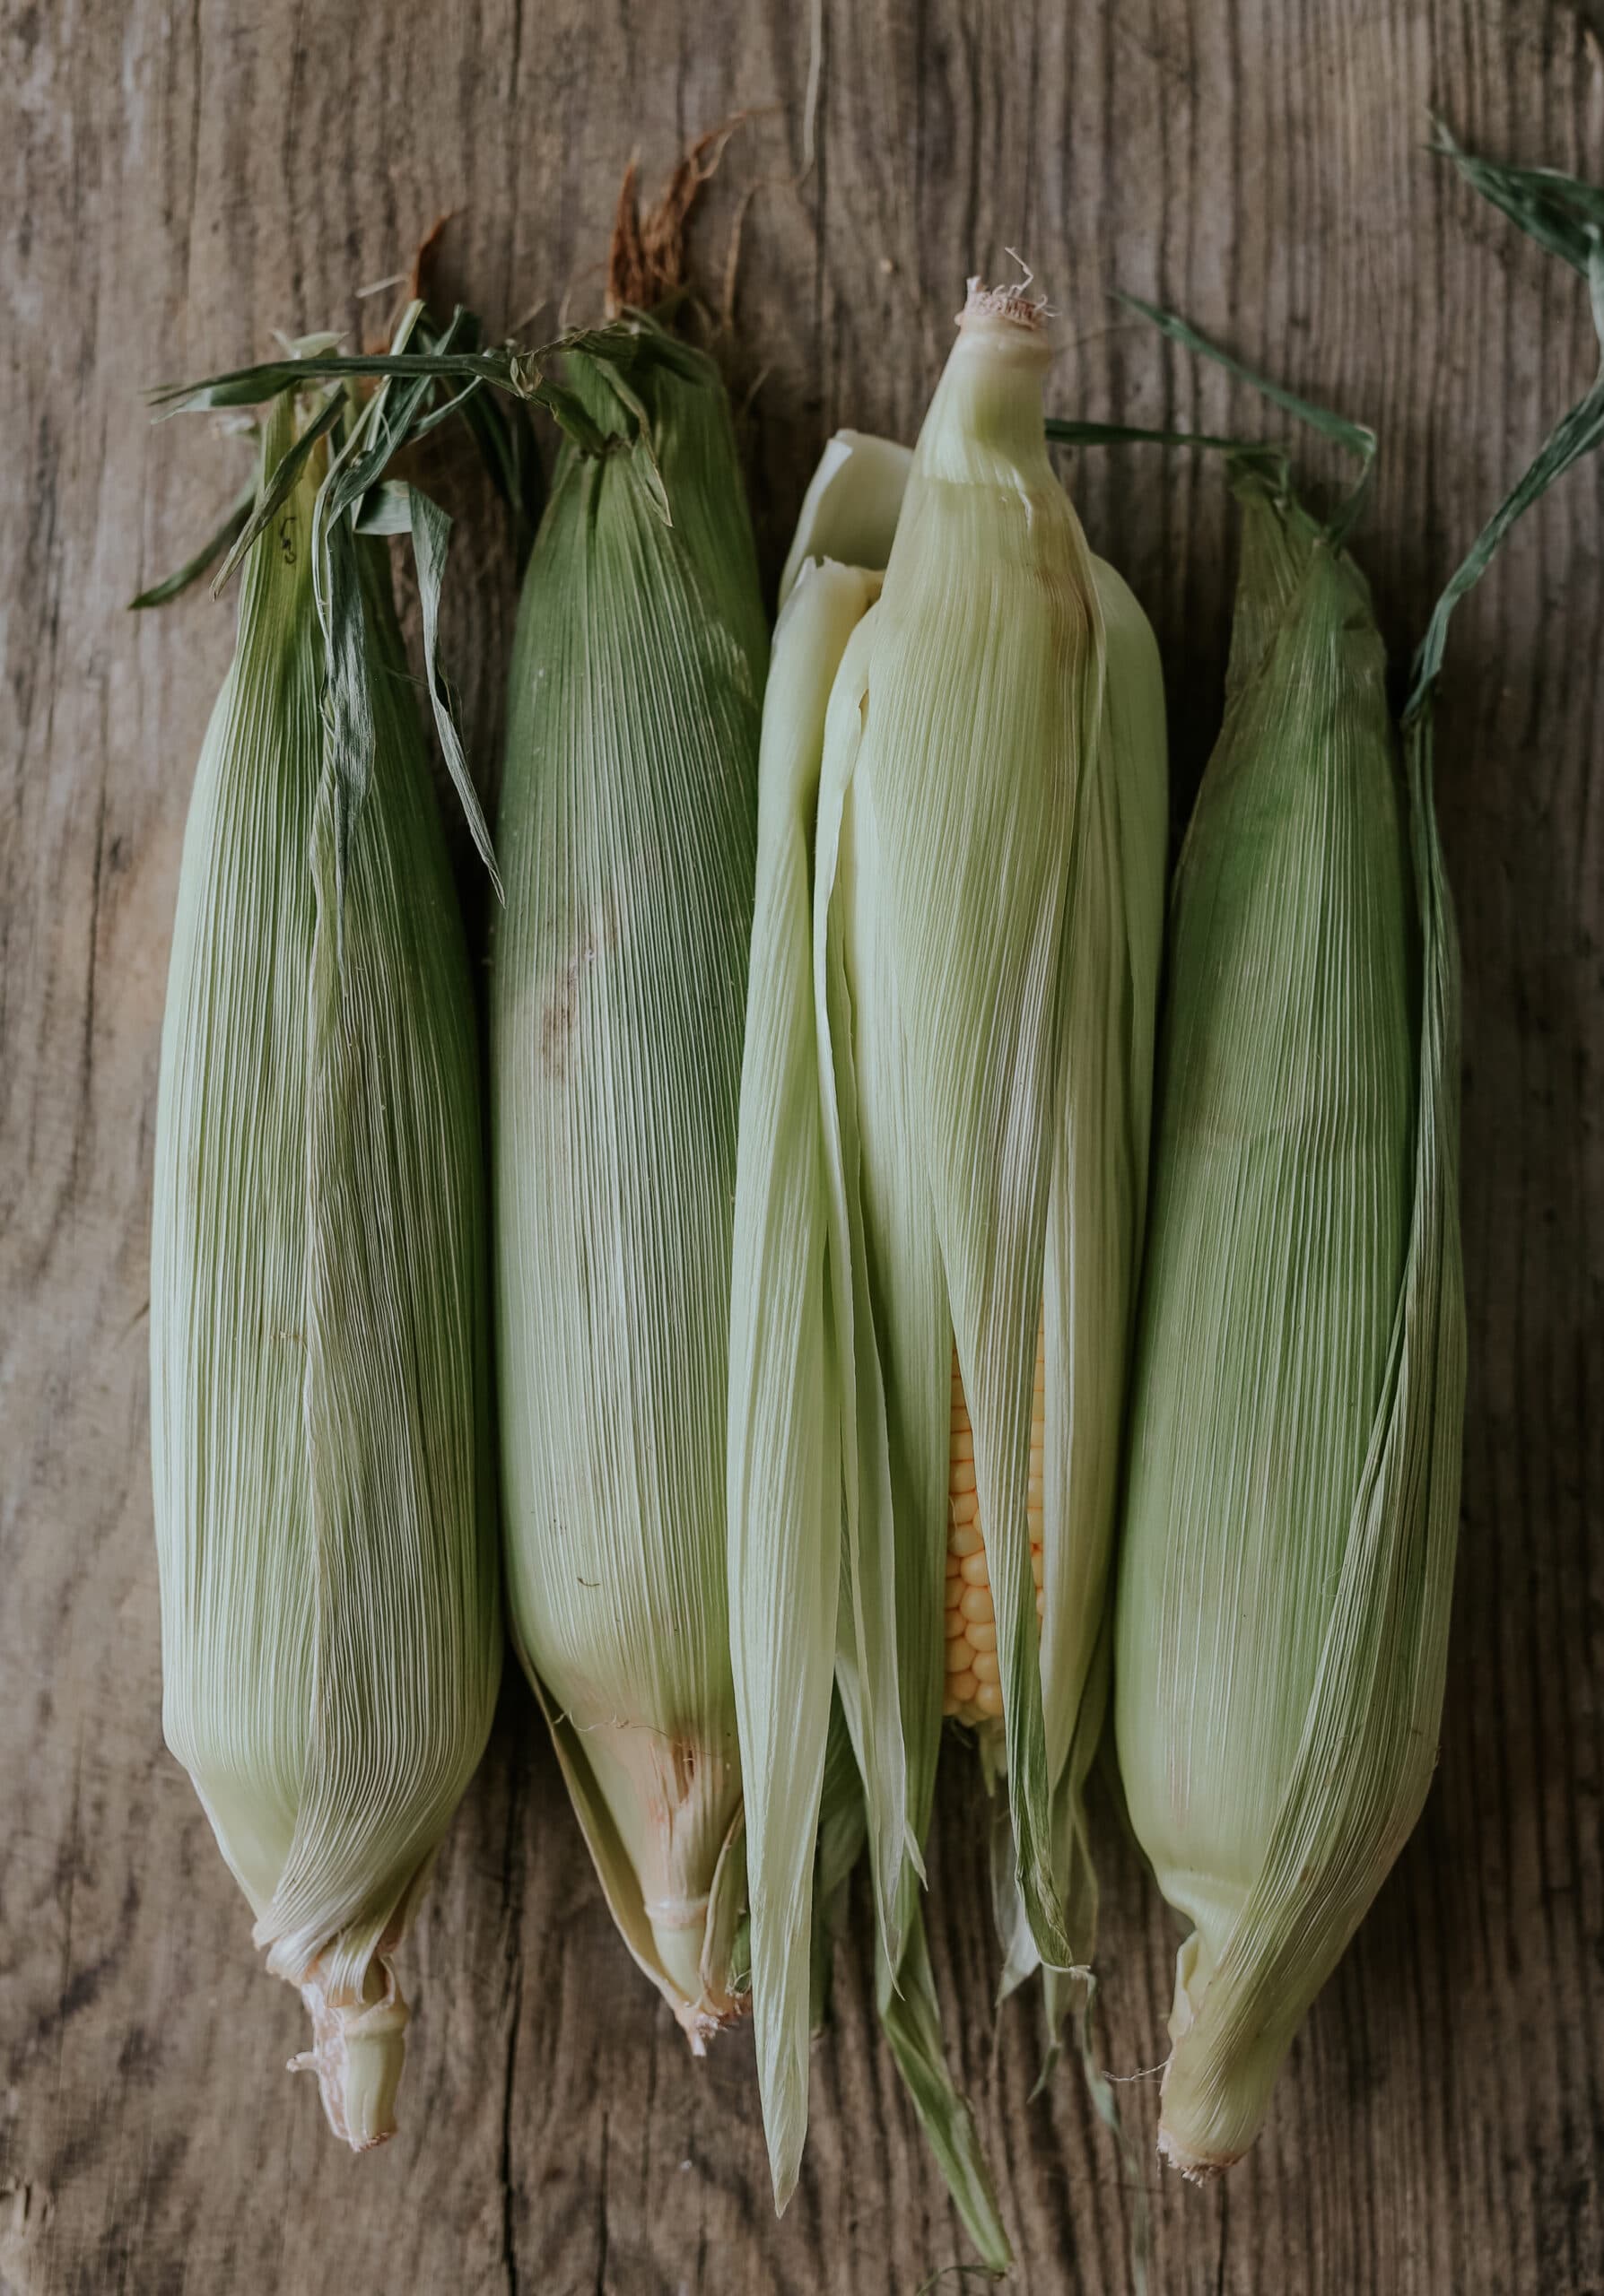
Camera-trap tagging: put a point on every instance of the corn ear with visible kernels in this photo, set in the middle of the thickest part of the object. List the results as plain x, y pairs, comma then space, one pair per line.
915, 1162
627, 835
1096, 1220
320, 1344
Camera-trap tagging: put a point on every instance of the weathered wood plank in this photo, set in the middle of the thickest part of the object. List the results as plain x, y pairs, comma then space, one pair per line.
178, 183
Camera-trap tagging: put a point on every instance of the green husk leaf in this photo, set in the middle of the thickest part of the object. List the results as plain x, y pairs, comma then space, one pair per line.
257, 386
614, 1867
911, 2022
1254, 458
1577, 433
867, 1638
279, 485
1558, 212
1356, 438
431, 537
842, 1831
784, 1474
356, 500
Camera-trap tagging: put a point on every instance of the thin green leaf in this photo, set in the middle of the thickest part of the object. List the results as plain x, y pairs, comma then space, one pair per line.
843, 1830
507, 449
866, 1661
1356, 438
382, 424
347, 696
431, 538
206, 556
455, 404
278, 486
912, 2023
1575, 434
1062, 432
256, 385
1561, 213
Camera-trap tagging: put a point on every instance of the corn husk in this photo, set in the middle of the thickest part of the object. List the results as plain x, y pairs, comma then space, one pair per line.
319, 1357
1293, 1448
910, 1176
1286, 1572
627, 834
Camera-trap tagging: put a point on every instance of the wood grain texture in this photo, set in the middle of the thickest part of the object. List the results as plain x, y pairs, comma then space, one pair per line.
179, 180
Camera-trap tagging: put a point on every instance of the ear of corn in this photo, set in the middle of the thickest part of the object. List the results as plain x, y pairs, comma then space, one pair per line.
958, 732
785, 1494
627, 834
1286, 1575
318, 1341
1293, 1339
1001, 700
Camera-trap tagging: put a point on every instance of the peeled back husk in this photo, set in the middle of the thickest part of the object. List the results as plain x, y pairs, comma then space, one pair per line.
906, 1175
319, 1357
1097, 1213
627, 835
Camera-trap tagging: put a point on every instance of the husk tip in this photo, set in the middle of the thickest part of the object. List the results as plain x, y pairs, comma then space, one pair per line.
358, 2053
1197, 2168
1014, 303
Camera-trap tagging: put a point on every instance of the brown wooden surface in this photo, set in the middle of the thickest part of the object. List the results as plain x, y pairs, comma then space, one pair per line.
179, 181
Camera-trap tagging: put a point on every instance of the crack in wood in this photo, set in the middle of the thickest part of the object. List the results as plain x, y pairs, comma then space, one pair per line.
512, 1910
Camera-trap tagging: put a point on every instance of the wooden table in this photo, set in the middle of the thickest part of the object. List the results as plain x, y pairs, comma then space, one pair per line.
181, 181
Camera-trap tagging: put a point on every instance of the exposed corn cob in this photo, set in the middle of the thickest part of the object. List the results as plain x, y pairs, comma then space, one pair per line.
973, 1691
319, 1357
627, 833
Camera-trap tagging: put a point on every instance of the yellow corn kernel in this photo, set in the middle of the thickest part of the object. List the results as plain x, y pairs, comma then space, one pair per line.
973, 1691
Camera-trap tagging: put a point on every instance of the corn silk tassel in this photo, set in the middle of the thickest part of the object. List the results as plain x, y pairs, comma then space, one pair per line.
916, 1165
1286, 1572
627, 832
319, 1341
